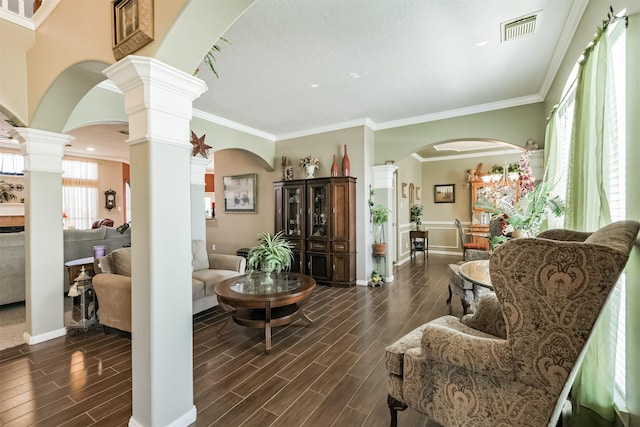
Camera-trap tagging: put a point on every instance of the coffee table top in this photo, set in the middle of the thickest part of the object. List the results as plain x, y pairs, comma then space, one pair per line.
254, 286
477, 272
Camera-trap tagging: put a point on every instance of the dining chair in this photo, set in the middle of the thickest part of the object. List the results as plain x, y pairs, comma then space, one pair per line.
468, 245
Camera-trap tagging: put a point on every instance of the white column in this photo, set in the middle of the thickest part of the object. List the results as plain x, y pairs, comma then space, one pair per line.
44, 260
158, 100
383, 185
198, 217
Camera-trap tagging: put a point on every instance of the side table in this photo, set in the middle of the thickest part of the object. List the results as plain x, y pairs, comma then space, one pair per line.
75, 265
419, 242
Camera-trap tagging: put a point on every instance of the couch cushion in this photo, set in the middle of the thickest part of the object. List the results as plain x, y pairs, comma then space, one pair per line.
200, 259
197, 289
394, 354
212, 277
121, 261
77, 235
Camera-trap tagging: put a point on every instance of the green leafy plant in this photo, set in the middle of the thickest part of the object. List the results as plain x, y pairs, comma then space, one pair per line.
499, 169
272, 252
530, 211
379, 216
210, 58
416, 212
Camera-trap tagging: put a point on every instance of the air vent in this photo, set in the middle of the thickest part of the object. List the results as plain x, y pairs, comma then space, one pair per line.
520, 27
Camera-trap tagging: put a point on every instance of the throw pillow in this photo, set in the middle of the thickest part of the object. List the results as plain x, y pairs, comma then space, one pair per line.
103, 264
200, 259
122, 261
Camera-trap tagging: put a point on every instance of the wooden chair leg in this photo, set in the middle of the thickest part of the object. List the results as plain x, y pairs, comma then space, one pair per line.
450, 295
394, 406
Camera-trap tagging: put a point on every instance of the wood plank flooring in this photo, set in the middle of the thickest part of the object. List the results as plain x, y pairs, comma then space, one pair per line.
331, 373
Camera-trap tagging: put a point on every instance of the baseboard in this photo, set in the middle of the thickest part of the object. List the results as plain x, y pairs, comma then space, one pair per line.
36, 339
186, 419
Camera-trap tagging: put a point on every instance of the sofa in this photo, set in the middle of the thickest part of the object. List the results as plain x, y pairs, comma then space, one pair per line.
76, 244
112, 282
513, 361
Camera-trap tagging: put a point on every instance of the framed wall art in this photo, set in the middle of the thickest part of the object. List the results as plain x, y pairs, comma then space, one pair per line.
444, 193
132, 23
240, 192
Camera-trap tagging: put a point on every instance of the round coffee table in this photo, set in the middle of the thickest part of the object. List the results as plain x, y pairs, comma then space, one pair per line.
258, 300
477, 272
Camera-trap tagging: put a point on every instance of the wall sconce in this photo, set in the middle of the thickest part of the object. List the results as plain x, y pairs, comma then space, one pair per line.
110, 199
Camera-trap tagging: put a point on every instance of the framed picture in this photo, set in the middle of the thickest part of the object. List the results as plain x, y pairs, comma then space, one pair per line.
418, 193
240, 193
405, 187
132, 25
444, 193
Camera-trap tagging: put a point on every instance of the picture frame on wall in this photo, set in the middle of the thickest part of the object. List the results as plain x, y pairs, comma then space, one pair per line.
240, 193
132, 25
444, 193
405, 188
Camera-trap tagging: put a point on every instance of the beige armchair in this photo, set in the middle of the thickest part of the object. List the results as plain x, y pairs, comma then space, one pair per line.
514, 360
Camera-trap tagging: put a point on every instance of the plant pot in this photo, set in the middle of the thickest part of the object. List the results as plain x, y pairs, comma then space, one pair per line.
379, 248
310, 170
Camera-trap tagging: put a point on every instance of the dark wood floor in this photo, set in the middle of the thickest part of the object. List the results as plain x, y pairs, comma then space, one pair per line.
331, 373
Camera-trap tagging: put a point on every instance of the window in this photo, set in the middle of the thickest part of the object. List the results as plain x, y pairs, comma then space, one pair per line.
80, 193
11, 164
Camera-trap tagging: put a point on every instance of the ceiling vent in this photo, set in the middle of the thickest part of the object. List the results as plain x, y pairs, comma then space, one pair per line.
520, 27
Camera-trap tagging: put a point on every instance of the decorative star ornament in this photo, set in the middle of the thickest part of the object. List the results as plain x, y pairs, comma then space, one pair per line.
199, 147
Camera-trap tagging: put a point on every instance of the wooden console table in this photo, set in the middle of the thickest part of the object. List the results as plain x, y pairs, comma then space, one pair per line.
419, 242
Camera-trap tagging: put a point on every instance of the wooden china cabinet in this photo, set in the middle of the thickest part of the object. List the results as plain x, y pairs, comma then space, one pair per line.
318, 217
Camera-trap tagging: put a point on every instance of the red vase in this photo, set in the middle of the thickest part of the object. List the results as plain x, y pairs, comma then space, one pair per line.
334, 167
346, 164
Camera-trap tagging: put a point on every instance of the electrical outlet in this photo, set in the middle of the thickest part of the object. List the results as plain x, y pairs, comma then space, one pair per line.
213, 247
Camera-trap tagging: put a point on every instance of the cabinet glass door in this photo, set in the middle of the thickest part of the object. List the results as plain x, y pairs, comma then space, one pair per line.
319, 212
293, 210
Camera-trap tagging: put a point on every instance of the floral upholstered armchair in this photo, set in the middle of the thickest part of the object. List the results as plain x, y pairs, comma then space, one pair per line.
513, 361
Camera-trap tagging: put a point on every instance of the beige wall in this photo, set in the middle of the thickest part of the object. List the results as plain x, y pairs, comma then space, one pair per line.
513, 125
232, 231
110, 175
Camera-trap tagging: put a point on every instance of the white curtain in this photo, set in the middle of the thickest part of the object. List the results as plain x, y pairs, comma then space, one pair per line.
11, 164
79, 193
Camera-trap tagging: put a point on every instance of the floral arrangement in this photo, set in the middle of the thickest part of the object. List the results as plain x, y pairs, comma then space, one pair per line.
533, 208
527, 180
309, 161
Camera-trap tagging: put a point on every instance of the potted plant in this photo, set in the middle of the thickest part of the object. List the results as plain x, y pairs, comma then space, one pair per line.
272, 253
309, 164
379, 217
416, 215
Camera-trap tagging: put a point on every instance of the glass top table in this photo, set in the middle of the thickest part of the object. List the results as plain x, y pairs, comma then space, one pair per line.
477, 272
260, 300
263, 284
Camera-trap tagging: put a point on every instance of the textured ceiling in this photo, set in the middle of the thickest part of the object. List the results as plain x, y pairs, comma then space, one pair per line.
410, 59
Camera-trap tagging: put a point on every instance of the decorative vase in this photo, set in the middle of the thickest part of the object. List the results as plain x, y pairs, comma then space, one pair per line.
346, 164
334, 167
310, 170
267, 269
